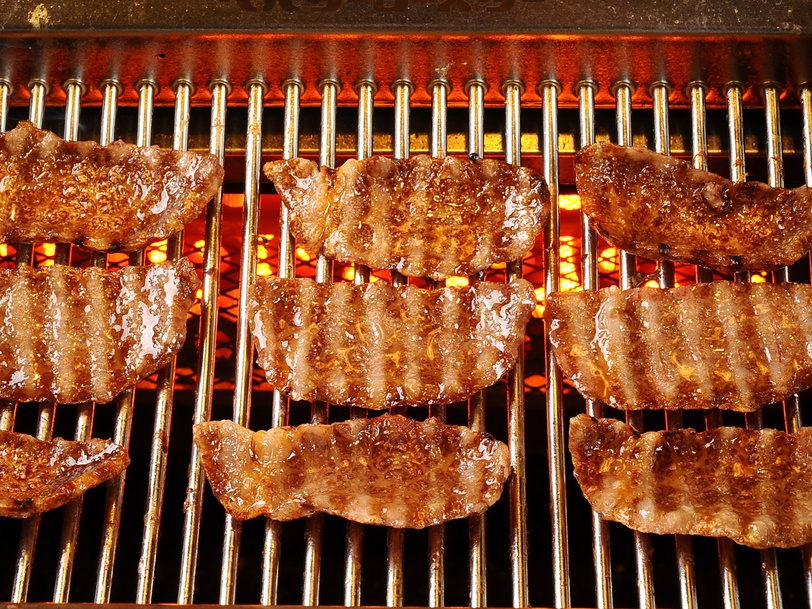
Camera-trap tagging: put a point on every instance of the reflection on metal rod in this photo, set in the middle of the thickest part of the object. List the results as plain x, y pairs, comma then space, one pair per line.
556, 451
775, 178
517, 490
28, 535
74, 89
438, 147
159, 449
193, 505
124, 402
642, 542
601, 546
727, 554
673, 418
6, 407
806, 112
244, 352
355, 531
395, 538
477, 547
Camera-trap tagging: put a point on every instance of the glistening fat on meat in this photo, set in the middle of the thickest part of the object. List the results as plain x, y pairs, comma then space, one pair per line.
753, 486
422, 216
737, 346
115, 197
73, 335
37, 476
378, 346
662, 208
390, 470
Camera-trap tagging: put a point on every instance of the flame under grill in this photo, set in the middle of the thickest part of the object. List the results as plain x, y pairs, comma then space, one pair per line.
158, 524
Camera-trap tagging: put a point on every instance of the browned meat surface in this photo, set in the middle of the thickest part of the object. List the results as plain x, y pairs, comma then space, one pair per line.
73, 335
753, 486
662, 208
101, 197
389, 470
727, 345
378, 346
38, 476
424, 217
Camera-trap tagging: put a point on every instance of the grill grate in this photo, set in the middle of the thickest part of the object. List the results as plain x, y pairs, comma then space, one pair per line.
516, 554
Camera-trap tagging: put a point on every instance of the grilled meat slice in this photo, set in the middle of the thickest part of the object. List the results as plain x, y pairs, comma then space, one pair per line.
389, 470
116, 197
37, 476
423, 217
753, 486
662, 208
378, 346
78, 334
727, 345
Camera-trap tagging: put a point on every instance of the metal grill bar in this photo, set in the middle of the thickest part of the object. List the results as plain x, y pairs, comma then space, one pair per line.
642, 541
244, 351
673, 418
124, 403
699, 141
395, 538
355, 531
166, 377
478, 596
775, 177
438, 147
517, 492
193, 505
74, 90
549, 91
30, 528
806, 133
601, 545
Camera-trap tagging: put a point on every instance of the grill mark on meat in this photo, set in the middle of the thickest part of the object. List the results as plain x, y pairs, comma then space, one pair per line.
389, 470
420, 216
425, 353
86, 334
37, 476
728, 345
116, 197
662, 208
752, 486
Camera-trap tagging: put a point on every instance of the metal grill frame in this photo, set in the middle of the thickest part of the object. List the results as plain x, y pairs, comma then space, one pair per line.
512, 89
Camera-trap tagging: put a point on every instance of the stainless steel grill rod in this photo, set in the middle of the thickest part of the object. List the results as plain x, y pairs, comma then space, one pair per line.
699, 142
477, 563
601, 546
517, 491
209, 307
673, 418
28, 535
806, 114
395, 538
438, 147
245, 351
159, 449
733, 92
642, 541
319, 411
74, 89
124, 403
775, 178
556, 450
355, 531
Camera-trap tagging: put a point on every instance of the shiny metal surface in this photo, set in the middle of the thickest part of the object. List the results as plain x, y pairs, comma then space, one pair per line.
601, 543
517, 486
